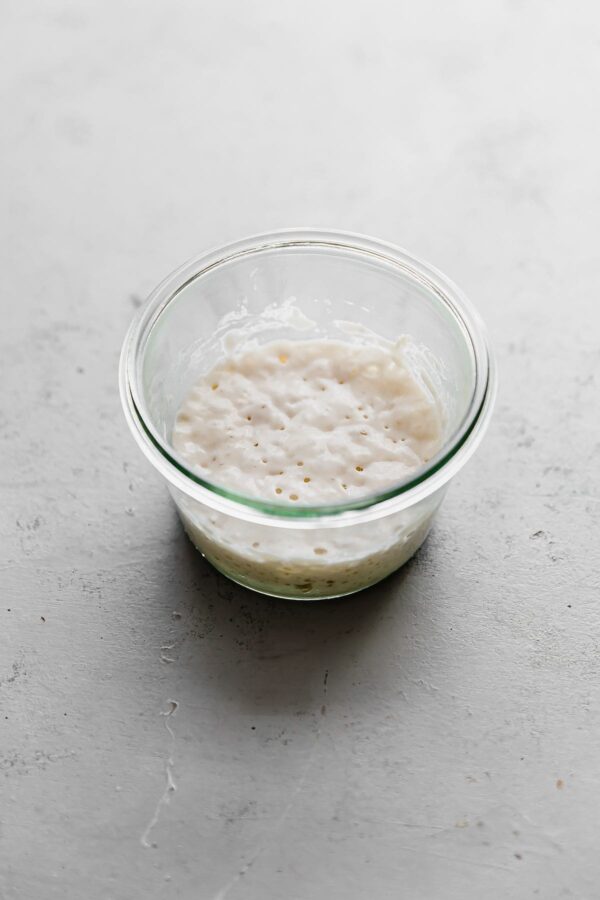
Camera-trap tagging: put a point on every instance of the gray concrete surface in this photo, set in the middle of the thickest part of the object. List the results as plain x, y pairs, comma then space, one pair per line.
435, 737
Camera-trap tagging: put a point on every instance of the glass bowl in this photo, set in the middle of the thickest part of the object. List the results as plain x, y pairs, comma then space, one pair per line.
302, 284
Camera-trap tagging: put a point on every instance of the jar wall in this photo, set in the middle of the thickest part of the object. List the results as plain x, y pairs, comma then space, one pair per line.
307, 563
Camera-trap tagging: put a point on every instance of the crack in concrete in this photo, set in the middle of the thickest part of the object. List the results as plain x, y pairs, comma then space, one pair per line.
170, 786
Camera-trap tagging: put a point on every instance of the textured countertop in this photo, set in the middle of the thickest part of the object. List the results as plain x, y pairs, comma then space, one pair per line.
163, 733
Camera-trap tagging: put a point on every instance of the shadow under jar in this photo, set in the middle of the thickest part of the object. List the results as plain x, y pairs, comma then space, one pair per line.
301, 284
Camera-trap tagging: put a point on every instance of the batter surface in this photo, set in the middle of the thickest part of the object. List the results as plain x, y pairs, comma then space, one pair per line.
310, 422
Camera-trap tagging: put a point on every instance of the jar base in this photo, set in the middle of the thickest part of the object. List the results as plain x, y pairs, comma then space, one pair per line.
299, 598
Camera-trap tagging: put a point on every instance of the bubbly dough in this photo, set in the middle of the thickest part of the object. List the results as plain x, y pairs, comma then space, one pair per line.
310, 422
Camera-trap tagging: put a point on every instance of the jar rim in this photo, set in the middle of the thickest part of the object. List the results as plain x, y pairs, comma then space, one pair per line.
415, 486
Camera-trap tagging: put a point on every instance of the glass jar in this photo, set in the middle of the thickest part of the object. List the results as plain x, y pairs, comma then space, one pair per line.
303, 284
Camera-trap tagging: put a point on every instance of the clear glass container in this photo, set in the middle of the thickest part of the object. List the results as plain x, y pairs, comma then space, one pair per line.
302, 284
